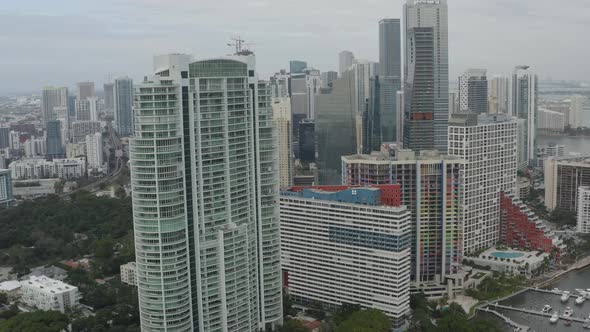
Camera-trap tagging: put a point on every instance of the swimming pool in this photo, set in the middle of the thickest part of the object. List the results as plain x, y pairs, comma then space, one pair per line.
508, 255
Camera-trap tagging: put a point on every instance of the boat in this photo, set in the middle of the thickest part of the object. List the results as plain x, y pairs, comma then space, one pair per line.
568, 312
586, 324
565, 297
568, 322
580, 300
554, 318
556, 290
547, 309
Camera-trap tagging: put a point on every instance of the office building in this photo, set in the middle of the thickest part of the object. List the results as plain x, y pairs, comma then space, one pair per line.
380, 118
48, 294
583, 210
94, 152
216, 191
426, 86
362, 257
81, 129
328, 77
85, 90
298, 92
335, 127
390, 48
109, 96
53, 99
297, 67
54, 139
550, 122
433, 191
579, 115
499, 100
345, 61
123, 106
363, 70
6, 196
86, 109
307, 141
313, 84
488, 145
281, 109
563, 177
129, 274
453, 103
551, 150
525, 106
4, 137
473, 92
280, 84
400, 104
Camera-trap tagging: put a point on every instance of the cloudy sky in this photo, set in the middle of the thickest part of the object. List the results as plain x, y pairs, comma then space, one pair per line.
60, 42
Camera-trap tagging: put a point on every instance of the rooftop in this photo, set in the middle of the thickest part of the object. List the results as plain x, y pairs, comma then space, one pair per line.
9, 286
47, 284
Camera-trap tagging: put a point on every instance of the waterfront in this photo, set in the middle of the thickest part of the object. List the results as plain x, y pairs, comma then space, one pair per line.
534, 300
579, 144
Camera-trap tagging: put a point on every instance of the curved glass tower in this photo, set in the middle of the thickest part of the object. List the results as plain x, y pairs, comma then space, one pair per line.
205, 196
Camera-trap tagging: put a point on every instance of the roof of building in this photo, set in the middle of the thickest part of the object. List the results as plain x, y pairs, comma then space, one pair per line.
9, 286
47, 284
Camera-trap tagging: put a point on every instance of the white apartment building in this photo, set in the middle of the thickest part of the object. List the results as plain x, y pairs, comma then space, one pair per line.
6, 195
550, 122
335, 250
46, 294
579, 115
69, 168
281, 108
488, 144
583, 209
87, 109
552, 150
94, 153
128, 274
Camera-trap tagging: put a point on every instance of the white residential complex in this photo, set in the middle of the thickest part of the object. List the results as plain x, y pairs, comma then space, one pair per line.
204, 178
281, 108
488, 144
69, 168
46, 294
545, 152
6, 195
129, 274
550, 122
94, 153
362, 256
583, 210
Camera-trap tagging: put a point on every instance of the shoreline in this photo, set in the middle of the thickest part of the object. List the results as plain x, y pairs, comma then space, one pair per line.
581, 264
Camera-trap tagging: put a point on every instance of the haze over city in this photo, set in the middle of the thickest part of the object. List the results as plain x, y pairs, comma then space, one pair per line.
58, 42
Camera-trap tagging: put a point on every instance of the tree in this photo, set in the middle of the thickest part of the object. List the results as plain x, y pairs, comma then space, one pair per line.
371, 320
563, 217
3, 298
293, 326
47, 321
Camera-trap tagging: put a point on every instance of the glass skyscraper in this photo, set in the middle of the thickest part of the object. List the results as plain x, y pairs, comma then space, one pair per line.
205, 197
123, 106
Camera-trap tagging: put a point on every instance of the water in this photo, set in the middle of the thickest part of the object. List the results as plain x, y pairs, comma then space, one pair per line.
572, 144
536, 301
508, 255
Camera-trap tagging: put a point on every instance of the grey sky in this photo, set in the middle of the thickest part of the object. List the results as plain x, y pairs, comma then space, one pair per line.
60, 42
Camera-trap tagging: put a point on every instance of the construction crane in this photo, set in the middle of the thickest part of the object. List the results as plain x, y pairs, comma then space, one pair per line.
240, 45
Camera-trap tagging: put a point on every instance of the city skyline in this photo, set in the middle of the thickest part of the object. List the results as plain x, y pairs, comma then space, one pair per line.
114, 45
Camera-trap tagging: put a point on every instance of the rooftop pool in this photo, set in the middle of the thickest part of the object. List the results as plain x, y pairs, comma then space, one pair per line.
509, 255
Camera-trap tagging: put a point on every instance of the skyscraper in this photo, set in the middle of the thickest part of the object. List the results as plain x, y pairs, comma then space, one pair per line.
390, 48
53, 99
87, 109
499, 96
4, 137
426, 87
296, 66
345, 61
306, 141
109, 96
123, 106
86, 90
473, 92
281, 108
54, 139
94, 155
380, 119
335, 126
328, 77
527, 109
205, 197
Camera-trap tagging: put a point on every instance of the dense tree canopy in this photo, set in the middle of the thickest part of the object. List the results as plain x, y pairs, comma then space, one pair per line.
47, 321
371, 320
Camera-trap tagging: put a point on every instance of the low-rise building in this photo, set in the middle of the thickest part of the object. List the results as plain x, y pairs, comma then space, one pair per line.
11, 289
45, 293
510, 261
524, 187
68, 168
129, 274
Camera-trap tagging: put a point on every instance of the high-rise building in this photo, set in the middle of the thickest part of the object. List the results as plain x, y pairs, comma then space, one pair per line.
313, 84
4, 137
94, 154
433, 191
307, 141
453, 107
345, 61
551, 150
525, 106
400, 103
426, 86
123, 106
363, 70
583, 210
53, 99
335, 127
328, 77
579, 114
550, 122
281, 108
563, 177
488, 145
81, 129
205, 195
281, 84
109, 96
499, 101
54, 139
85, 90
297, 67
390, 48
6, 196
473, 92
380, 118
87, 109
361, 257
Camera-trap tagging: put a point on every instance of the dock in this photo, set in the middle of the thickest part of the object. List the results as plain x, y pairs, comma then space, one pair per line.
536, 312
507, 320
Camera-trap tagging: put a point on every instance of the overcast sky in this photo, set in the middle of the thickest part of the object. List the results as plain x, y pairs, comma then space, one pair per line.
60, 42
